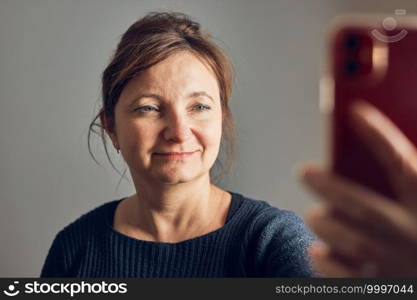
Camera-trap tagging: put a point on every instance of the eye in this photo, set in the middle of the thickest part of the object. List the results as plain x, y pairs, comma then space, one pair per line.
146, 108
201, 107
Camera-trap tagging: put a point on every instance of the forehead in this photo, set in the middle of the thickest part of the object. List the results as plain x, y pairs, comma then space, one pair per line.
180, 74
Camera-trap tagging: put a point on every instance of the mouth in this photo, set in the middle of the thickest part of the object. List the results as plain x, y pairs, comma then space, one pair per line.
174, 155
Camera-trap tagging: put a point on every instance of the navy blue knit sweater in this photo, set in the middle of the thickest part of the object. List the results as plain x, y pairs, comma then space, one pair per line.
257, 240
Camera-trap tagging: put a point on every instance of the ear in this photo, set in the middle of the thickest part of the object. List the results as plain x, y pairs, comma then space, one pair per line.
109, 128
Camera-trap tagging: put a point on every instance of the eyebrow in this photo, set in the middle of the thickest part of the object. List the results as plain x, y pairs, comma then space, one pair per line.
160, 98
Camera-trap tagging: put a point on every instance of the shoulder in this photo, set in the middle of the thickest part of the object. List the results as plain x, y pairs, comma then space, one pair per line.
260, 213
93, 221
90, 224
248, 207
69, 242
277, 240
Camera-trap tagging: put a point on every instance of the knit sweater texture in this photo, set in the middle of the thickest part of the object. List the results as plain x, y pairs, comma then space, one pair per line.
257, 240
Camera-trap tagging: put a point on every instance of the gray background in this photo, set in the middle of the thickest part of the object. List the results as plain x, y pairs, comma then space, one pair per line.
51, 56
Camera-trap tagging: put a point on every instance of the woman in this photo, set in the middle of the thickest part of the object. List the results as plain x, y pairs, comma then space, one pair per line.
166, 110
379, 235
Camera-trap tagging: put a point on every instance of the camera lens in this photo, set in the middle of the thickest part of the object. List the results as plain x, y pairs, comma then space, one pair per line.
352, 67
352, 42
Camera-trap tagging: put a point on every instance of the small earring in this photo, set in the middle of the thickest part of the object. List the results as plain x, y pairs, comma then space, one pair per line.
118, 151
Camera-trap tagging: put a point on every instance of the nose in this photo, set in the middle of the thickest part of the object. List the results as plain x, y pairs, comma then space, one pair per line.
177, 128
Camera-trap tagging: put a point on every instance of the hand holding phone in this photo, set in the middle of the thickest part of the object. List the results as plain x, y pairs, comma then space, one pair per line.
368, 222
365, 65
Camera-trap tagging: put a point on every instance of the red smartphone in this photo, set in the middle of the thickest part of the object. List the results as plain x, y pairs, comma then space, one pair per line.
374, 59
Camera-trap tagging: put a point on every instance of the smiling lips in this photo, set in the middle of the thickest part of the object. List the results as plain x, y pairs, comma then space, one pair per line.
174, 155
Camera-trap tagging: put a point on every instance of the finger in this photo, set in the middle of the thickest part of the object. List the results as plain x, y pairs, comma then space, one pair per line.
394, 150
345, 238
327, 265
394, 253
359, 251
383, 217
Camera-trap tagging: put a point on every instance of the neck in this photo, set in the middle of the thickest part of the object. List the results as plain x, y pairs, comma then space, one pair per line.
164, 211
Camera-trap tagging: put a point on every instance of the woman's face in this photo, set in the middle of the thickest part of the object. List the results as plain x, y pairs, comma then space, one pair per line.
173, 107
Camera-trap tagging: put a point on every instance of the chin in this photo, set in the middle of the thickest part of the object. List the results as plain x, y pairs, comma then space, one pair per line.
175, 176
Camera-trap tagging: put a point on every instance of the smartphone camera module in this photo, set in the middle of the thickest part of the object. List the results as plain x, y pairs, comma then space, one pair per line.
356, 50
352, 42
352, 67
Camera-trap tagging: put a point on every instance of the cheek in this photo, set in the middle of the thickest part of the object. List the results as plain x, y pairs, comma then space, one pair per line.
138, 138
211, 137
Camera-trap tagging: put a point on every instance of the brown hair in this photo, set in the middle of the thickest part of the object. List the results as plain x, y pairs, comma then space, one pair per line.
149, 41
